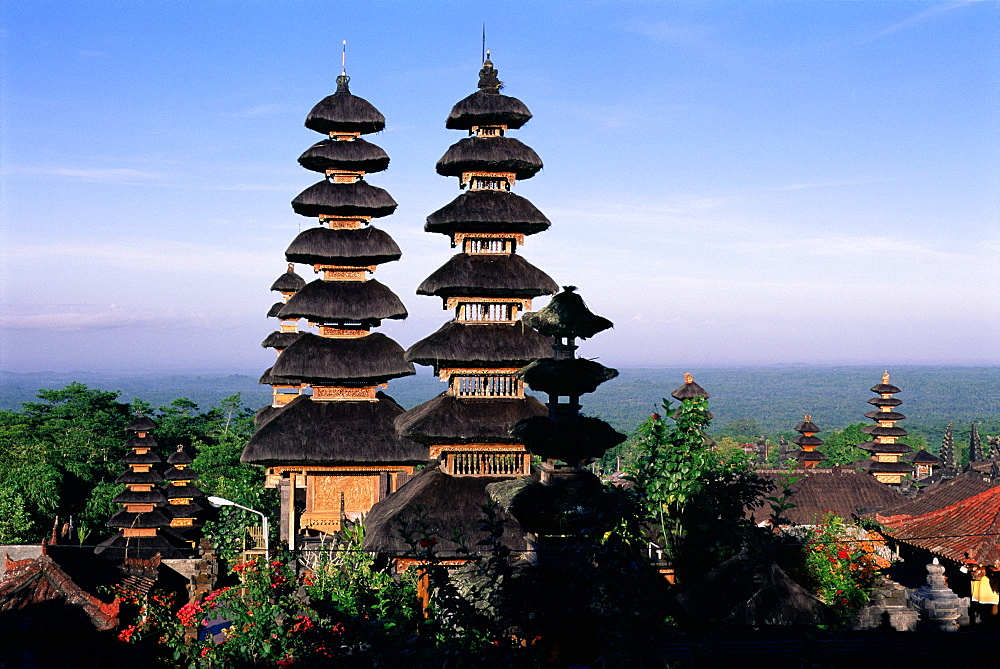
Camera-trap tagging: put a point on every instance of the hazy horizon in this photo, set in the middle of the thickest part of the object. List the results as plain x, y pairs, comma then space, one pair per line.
733, 184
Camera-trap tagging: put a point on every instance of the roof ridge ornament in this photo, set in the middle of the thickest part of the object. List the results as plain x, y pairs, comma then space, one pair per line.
489, 82
343, 80
885, 377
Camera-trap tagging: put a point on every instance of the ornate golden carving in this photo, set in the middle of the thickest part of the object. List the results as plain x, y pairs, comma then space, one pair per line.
335, 393
341, 333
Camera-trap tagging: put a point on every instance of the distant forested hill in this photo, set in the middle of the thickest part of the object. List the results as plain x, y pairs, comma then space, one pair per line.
775, 397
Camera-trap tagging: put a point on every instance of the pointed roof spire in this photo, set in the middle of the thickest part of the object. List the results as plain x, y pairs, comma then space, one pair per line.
976, 453
948, 447
343, 80
489, 82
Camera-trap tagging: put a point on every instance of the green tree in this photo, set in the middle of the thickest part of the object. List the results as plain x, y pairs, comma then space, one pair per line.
840, 446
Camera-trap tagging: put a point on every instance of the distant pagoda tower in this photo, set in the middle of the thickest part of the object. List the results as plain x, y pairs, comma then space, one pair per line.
334, 453
808, 442
283, 390
183, 503
887, 464
140, 524
478, 353
976, 452
948, 458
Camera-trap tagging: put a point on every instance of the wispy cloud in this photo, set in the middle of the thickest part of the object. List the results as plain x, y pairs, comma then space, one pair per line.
916, 19
75, 317
261, 110
671, 32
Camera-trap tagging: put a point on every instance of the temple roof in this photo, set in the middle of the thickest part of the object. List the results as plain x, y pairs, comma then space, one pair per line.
922, 457
180, 456
491, 345
154, 496
572, 378
344, 112
140, 478
943, 493
355, 248
333, 433
289, 282
280, 339
275, 308
29, 582
877, 431
268, 378
807, 426
344, 199
487, 107
876, 447
145, 519
470, 275
689, 390
141, 424
442, 505
567, 315
487, 211
580, 438
451, 420
885, 401
885, 415
489, 154
841, 490
803, 440
135, 441
133, 458
967, 531
355, 155
366, 302
374, 358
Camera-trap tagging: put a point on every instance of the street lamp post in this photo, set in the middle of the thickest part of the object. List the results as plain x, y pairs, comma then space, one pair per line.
220, 501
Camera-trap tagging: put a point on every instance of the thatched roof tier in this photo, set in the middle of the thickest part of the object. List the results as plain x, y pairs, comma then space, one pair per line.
280, 340
579, 503
487, 211
450, 420
689, 390
344, 199
922, 457
265, 413
365, 302
289, 282
567, 315
354, 248
174, 474
885, 415
118, 547
807, 426
269, 379
333, 433
356, 155
807, 456
581, 438
183, 510
890, 467
141, 424
444, 505
803, 440
468, 275
133, 458
885, 401
141, 478
146, 519
572, 378
135, 441
490, 345
182, 491
154, 496
374, 358
344, 113
884, 389
877, 431
875, 447
489, 154
180, 457
487, 108
275, 308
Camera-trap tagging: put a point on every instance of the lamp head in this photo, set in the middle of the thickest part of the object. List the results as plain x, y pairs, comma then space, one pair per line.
219, 501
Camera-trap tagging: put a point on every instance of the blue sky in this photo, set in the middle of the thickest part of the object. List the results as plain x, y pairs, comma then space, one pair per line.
731, 183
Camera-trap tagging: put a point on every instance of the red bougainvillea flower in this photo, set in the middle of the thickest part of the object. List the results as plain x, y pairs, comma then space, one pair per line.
842, 555
428, 542
656, 416
286, 661
126, 634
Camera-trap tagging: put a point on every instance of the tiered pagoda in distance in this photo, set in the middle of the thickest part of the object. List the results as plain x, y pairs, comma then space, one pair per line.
808, 442
183, 499
334, 453
478, 353
887, 464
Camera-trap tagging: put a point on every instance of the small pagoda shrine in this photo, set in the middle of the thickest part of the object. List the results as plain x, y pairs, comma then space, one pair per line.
487, 286
808, 442
141, 523
976, 451
332, 451
887, 464
948, 459
183, 502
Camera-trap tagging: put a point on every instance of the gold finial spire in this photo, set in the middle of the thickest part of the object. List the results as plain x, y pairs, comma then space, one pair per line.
885, 377
343, 80
291, 267
343, 59
808, 418
688, 378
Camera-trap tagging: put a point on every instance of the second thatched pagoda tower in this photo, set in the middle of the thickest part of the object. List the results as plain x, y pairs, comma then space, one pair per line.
887, 464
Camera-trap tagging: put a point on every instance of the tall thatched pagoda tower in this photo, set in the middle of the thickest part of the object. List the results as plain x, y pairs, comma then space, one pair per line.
334, 453
887, 464
808, 442
487, 286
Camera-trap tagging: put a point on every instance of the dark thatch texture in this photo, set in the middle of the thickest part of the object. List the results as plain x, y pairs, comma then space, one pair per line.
689, 390
265, 413
133, 458
175, 474
333, 433
354, 248
877, 431
143, 478
269, 379
807, 426
355, 199
466, 275
873, 467
487, 108
487, 211
355, 156
365, 302
275, 308
135, 441
144, 520
446, 504
570, 378
289, 282
154, 496
165, 544
885, 415
579, 503
492, 345
885, 401
803, 440
280, 340
747, 592
374, 359
183, 491
343, 112
580, 438
884, 389
842, 490
567, 315
180, 456
489, 154
141, 424
450, 420
875, 447
922, 457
